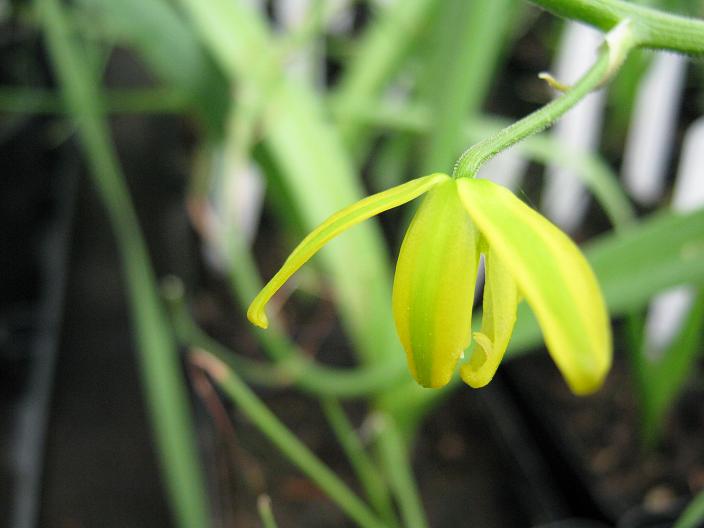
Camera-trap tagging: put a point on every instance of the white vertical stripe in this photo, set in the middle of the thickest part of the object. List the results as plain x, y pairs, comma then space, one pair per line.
650, 138
565, 199
668, 310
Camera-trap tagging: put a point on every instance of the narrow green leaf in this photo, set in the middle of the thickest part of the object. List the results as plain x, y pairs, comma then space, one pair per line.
377, 57
465, 47
554, 277
285, 441
165, 390
663, 379
166, 43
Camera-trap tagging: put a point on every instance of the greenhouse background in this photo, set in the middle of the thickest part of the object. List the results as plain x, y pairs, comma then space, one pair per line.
162, 158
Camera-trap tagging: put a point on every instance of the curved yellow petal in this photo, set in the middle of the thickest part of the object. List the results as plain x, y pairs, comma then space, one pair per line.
333, 226
434, 286
498, 319
552, 275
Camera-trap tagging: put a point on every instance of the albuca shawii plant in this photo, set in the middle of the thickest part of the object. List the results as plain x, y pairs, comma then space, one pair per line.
526, 257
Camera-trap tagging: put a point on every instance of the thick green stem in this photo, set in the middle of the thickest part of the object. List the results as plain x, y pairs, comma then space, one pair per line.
655, 29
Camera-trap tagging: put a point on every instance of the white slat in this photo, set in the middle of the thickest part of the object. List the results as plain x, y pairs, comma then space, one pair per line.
564, 198
650, 137
668, 310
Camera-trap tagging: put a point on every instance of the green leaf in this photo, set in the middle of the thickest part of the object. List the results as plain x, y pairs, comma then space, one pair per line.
165, 389
554, 277
661, 380
333, 226
693, 516
166, 43
317, 172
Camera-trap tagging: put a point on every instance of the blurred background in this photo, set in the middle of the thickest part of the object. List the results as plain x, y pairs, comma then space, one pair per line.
159, 160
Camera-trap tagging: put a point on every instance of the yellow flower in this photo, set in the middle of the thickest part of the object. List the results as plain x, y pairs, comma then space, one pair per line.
526, 257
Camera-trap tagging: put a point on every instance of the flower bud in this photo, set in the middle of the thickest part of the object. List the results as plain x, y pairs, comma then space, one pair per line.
434, 283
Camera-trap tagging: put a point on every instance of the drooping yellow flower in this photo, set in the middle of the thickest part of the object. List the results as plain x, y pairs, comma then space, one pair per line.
526, 257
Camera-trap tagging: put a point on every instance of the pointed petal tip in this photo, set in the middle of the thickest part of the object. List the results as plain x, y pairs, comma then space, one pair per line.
257, 317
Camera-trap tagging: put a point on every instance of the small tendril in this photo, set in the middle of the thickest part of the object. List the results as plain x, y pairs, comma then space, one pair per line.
553, 82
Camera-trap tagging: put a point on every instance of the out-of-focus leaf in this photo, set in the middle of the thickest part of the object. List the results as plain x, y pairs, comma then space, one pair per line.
693, 516
664, 378
317, 171
467, 41
167, 44
163, 381
377, 56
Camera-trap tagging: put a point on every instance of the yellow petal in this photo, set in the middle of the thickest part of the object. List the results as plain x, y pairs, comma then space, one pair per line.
498, 319
434, 286
552, 275
333, 226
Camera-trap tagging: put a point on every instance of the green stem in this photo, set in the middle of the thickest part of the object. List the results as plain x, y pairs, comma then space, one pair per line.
595, 173
393, 453
693, 516
166, 393
474, 157
266, 515
655, 29
285, 441
21, 100
369, 477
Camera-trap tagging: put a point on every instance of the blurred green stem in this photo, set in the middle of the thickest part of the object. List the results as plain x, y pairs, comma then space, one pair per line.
23, 100
369, 477
693, 516
377, 56
285, 441
265, 513
161, 368
467, 40
393, 451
